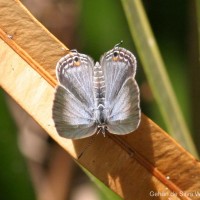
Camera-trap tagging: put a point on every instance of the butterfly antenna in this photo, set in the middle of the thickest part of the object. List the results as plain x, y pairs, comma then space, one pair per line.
117, 45
92, 139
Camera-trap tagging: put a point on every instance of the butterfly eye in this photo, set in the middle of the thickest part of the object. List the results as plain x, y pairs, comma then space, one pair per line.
115, 54
76, 59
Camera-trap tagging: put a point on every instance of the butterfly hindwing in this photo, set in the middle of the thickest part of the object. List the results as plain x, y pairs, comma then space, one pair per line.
121, 91
75, 72
73, 108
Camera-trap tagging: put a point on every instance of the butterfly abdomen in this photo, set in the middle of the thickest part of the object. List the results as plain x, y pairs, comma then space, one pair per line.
99, 93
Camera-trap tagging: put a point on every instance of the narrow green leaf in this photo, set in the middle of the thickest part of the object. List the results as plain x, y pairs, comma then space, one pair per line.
156, 74
198, 22
106, 193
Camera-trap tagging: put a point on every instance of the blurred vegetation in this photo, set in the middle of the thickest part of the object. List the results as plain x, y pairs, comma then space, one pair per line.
102, 25
14, 178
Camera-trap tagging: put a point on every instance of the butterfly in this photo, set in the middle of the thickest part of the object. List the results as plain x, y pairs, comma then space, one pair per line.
93, 97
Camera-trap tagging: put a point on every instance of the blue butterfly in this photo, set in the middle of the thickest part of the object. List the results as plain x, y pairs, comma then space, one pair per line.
99, 96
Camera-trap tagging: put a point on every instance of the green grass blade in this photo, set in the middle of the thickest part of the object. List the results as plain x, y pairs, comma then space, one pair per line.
198, 22
106, 193
156, 73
